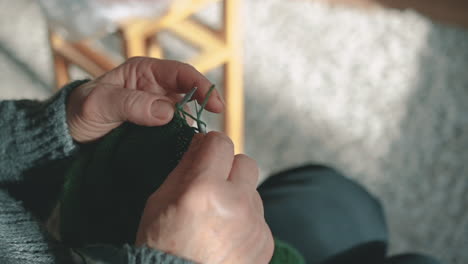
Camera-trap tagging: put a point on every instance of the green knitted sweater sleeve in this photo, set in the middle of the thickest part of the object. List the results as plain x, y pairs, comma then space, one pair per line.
32, 133
127, 254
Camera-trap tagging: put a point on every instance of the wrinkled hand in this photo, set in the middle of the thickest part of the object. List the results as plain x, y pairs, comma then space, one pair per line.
208, 210
141, 90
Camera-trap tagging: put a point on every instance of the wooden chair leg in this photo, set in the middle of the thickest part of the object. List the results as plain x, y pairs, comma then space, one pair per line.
134, 44
154, 49
62, 77
233, 81
234, 96
102, 61
71, 54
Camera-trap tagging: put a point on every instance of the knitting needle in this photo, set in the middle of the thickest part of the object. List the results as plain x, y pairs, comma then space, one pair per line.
187, 97
185, 100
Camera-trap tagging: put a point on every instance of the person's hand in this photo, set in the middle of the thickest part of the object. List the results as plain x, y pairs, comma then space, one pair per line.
141, 90
208, 210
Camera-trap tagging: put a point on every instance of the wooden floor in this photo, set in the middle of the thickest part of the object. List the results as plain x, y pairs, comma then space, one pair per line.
446, 11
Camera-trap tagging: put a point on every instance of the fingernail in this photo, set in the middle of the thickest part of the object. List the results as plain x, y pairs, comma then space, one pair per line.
162, 109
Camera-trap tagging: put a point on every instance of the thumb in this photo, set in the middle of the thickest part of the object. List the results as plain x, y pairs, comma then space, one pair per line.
139, 107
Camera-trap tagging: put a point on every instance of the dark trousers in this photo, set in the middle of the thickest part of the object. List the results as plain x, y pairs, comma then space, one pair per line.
329, 218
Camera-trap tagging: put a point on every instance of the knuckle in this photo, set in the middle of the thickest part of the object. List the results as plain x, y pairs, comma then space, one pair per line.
90, 104
211, 196
140, 61
220, 138
188, 66
129, 101
198, 194
248, 163
134, 59
241, 206
181, 65
246, 159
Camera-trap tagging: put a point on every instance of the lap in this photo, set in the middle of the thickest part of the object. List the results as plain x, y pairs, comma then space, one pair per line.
323, 214
329, 218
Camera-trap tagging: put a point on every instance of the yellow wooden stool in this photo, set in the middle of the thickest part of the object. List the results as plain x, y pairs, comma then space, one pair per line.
218, 48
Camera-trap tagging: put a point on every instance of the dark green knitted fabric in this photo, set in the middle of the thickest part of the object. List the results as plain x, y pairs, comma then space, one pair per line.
108, 184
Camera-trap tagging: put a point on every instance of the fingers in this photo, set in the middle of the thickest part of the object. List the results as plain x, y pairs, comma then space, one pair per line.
244, 171
258, 202
212, 156
209, 157
181, 78
139, 107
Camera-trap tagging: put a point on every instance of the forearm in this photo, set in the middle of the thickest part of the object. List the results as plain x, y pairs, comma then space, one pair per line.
32, 133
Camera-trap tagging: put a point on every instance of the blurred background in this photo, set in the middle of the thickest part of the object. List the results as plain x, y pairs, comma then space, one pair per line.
377, 89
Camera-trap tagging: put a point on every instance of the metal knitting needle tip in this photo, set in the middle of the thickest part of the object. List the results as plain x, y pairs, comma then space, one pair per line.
187, 96
202, 128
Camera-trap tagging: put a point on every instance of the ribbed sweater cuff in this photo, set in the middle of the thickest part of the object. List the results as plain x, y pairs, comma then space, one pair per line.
37, 131
46, 134
143, 255
124, 255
